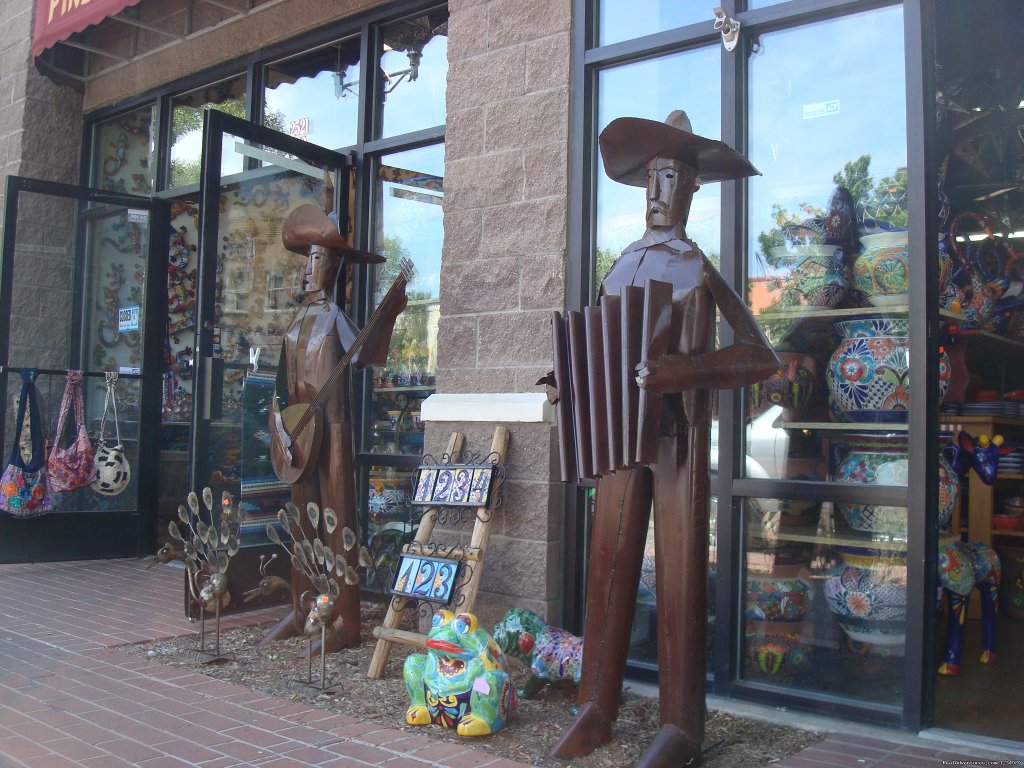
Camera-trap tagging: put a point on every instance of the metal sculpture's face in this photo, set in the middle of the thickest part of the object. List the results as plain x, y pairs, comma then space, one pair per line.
321, 268
670, 188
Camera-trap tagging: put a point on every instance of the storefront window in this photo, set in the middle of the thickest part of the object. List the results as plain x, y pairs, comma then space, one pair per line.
122, 153
824, 592
652, 90
414, 72
315, 96
823, 606
410, 193
187, 129
624, 19
832, 196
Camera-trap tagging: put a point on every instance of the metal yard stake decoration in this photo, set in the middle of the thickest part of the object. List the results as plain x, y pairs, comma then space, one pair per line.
322, 567
208, 549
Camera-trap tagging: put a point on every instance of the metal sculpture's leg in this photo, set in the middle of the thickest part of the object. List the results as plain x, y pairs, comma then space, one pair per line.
681, 499
621, 520
323, 657
216, 636
954, 633
309, 662
202, 628
989, 608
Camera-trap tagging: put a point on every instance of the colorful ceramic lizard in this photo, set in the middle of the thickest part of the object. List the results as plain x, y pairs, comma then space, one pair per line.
552, 654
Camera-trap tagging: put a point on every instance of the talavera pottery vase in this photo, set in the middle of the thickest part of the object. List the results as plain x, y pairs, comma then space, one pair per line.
776, 651
868, 375
782, 593
819, 271
882, 270
867, 592
873, 459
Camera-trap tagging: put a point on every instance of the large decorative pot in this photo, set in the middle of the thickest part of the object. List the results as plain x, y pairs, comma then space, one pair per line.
780, 594
819, 271
868, 376
867, 592
873, 459
775, 651
882, 270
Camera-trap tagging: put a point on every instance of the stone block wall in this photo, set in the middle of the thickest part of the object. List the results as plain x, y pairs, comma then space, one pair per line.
503, 269
40, 137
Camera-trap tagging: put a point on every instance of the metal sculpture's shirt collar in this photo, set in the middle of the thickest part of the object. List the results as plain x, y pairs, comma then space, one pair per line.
313, 297
673, 238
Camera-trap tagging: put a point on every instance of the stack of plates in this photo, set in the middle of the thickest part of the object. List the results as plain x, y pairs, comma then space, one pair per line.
991, 408
1012, 463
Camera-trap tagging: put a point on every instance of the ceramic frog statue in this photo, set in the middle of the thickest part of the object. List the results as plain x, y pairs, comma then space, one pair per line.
462, 681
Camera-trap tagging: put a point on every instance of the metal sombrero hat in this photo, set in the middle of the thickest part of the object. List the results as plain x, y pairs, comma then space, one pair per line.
629, 143
307, 225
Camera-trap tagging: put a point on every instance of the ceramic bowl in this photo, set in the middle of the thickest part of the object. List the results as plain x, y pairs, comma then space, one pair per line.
1007, 522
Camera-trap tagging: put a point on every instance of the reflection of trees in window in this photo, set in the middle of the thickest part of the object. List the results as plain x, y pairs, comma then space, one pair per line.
187, 119
793, 276
409, 351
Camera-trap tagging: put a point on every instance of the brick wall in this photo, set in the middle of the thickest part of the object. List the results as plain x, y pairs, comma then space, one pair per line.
503, 268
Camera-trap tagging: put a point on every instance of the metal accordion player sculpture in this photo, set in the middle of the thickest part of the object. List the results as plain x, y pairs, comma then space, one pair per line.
632, 385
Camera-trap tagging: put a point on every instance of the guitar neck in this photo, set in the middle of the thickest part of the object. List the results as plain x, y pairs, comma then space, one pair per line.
375, 318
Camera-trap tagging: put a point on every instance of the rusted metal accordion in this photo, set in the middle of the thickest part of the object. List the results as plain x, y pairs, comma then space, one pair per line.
606, 421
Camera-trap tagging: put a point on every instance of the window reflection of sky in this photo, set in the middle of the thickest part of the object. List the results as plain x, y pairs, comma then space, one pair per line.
856, 61
626, 19
420, 103
690, 81
332, 118
411, 213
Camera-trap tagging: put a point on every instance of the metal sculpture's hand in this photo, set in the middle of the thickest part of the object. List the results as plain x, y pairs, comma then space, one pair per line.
550, 386
669, 373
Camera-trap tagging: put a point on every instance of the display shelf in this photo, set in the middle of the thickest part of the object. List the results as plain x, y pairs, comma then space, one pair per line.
1008, 534
839, 426
417, 388
821, 313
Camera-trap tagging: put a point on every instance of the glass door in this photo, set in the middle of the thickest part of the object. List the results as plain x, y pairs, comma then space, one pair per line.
248, 289
76, 292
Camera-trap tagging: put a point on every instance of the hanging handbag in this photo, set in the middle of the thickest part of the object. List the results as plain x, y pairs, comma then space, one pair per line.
72, 467
24, 490
112, 469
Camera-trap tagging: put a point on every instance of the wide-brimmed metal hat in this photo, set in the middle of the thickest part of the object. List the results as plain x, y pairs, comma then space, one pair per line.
629, 143
307, 225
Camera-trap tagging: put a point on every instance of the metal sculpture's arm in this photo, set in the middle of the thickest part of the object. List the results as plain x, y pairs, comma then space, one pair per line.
751, 358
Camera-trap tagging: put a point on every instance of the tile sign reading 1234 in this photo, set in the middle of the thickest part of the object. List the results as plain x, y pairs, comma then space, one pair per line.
455, 485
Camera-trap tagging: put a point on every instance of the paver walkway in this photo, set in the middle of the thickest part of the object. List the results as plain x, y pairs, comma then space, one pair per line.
69, 697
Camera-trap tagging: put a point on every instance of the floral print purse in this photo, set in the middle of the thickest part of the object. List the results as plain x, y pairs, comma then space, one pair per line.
24, 490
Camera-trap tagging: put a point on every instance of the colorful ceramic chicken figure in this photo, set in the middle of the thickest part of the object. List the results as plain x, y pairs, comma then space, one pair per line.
462, 681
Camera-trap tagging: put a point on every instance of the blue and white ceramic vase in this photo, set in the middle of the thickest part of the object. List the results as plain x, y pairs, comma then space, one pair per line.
873, 459
867, 592
868, 375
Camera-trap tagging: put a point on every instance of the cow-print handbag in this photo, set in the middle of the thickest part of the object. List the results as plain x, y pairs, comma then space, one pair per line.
112, 469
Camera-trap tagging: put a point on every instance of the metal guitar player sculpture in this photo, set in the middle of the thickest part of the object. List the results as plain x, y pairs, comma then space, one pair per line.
311, 417
632, 382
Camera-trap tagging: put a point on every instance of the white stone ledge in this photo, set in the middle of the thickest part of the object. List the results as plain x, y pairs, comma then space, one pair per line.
519, 407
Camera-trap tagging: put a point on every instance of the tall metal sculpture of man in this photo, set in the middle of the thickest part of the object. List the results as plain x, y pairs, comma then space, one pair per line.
670, 161
318, 462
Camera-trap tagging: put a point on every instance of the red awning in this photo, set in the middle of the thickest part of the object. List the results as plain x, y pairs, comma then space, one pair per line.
57, 20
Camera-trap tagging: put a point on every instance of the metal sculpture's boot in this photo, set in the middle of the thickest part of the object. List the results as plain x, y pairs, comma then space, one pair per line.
621, 520
670, 749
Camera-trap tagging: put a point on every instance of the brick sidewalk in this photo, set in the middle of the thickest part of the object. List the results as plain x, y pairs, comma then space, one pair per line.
69, 697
